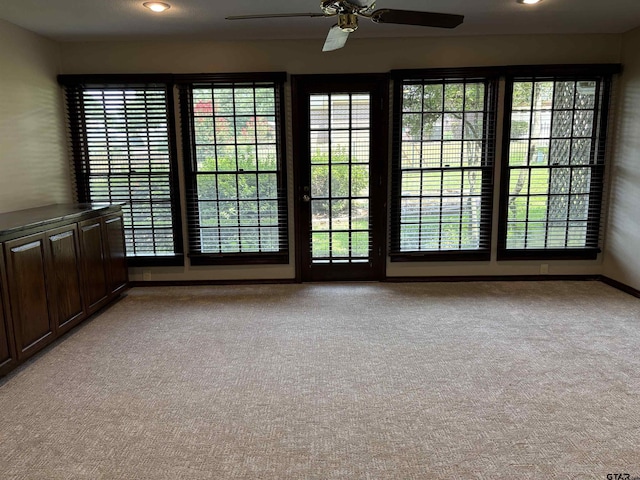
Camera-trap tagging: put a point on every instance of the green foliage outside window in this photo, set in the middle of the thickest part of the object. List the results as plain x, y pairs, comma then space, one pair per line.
443, 132
237, 174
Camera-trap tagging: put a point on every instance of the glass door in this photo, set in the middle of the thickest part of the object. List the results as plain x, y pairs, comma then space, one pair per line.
340, 162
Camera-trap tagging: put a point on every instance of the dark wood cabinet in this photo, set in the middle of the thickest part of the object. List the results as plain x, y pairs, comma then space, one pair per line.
117, 272
58, 265
64, 280
7, 348
34, 326
93, 261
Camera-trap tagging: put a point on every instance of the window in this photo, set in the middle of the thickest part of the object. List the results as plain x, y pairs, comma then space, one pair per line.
553, 173
123, 153
442, 167
237, 208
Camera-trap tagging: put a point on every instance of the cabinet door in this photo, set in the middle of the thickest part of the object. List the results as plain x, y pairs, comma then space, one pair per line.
92, 250
26, 279
7, 348
64, 283
116, 254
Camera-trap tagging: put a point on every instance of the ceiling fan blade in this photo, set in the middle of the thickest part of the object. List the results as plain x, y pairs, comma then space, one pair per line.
335, 39
424, 19
274, 15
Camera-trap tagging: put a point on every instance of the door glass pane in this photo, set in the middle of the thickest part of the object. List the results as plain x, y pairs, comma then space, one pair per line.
339, 151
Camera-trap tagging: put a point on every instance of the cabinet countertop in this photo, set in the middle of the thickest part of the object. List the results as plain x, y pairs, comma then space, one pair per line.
13, 224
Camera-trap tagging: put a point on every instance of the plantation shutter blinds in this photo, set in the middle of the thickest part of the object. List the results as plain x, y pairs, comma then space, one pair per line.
236, 183
443, 160
121, 139
554, 177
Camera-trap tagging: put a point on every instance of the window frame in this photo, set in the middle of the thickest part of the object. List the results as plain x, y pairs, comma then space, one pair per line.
490, 78
74, 85
603, 73
185, 84
497, 201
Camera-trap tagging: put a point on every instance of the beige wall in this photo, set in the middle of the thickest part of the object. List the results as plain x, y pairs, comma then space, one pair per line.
367, 55
622, 242
304, 57
33, 159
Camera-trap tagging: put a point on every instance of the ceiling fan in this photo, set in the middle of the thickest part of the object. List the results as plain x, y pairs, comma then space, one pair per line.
348, 12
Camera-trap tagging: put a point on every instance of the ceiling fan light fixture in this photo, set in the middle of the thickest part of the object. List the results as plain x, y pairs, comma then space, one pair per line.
157, 7
528, 2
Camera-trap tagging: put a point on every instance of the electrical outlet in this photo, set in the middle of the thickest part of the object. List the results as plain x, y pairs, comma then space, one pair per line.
146, 275
544, 268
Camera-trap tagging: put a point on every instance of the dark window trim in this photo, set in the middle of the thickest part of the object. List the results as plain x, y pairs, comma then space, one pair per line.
158, 261
550, 254
601, 72
185, 85
543, 70
238, 259
444, 256
562, 70
489, 76
168, 78
79, 150
249, 77
447, 73
176, 204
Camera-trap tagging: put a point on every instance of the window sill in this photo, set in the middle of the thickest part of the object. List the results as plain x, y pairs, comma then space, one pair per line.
239, 259
156, 261
560, 254
459, 256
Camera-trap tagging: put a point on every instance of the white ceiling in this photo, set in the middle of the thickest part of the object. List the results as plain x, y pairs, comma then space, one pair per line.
70, 20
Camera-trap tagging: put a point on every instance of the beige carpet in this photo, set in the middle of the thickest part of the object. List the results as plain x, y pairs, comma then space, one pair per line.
499, 380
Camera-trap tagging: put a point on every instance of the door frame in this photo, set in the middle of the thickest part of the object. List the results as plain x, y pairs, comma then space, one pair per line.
378, 85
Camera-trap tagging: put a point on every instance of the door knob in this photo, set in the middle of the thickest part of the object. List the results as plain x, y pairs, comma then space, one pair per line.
306, 198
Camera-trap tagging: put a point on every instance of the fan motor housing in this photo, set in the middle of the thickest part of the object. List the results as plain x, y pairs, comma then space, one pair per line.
343, 7
348, 22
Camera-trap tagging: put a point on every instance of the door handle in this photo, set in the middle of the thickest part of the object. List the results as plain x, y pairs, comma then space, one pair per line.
306, 198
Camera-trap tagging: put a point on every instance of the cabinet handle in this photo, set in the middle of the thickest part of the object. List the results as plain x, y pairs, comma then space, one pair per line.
26, 246
60, 236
